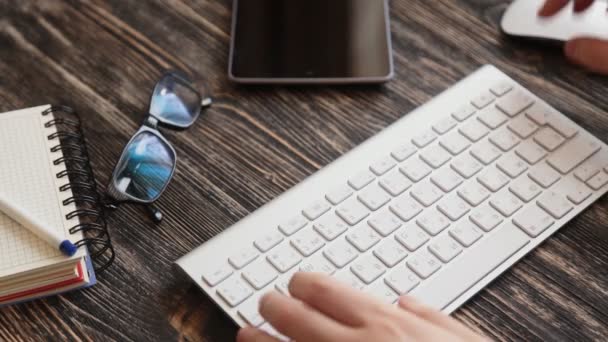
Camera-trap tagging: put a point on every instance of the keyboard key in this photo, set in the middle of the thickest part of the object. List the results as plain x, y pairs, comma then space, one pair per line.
316, 209
307, 242
446, 179
522, 126
549, 139
485, 152
587, 170
293, 225
424, 264
533, 220
426, 193
383, 292
411, 237
266, 242
424, 139
249, 312
544, 115
544, 175
598, 181
576, 191
466, 165
573, 153
352, 211
330, 226
530, 151
474, 130
374, 197
217, 274
525, 189
382, 166
340, 253
512, 165
555, 204
435, 156
483, 100
244, 257
415, 169
486, 218
402, 280
385, 222
493, 179
433, 221
445, 248
492, 117
403, 152
464, 112
501, 88
339, 194
474, 193
469, 268
444, 125
259, 274
234, 291
506, 203
317, 263
466, 233
368, 268
455, 143
504, 139
406, 208
390, 252
349, 278
454, 207
363, 237
515, 102
360, 180
283, 258
395, 183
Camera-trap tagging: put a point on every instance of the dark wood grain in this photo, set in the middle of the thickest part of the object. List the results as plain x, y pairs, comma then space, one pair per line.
103, 57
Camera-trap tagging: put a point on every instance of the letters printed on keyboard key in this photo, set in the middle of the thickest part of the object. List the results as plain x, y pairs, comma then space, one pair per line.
330, 226
474, 130
525, 189
259, 274
411, 237
544, 115
307, 241
485, 152
385, 222
243, 257
317, 263
403, 152
522, 126
216, 275
382, 166
544, 175
533, 220
466, 165
598, 181
340, 253
493, 179
466, 233
555, 204
390, 252
587, 170
435, 156
446, 179
445, 248
573, 153
339, 194
234, 291
415, 169
486, 217
504, 139
316, 209
506, 203
374, 197
455, 143
444, 125
515, 102
368, 268
402, 280
424, 139
363, 237
453, 207
483, 99
549, 139
512, 165
395, 183
576, 191
284, 257
424, 264
293, 225
474, 193
426, 193
352, 211
433, 221
464, 112
360, 180
266, 242
492, 117
406, 208
530, 151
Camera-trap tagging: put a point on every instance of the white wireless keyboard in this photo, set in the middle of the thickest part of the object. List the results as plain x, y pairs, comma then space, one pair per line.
437, 205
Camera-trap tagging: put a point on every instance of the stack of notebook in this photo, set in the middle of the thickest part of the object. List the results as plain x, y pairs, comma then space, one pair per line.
44, 169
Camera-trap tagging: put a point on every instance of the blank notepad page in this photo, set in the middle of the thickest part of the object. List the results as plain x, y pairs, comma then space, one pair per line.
28, 176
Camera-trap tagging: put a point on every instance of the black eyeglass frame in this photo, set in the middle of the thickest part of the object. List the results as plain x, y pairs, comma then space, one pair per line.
151, 124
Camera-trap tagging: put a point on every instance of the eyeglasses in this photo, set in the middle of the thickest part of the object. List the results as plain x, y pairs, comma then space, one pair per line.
148, 161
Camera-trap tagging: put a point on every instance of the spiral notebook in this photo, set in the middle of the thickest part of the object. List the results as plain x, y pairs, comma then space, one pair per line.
44, 168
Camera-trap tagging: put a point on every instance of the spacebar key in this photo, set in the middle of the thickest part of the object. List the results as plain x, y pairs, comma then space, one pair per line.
469, 268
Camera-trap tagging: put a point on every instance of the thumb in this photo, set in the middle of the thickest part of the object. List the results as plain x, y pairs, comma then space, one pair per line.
591, 53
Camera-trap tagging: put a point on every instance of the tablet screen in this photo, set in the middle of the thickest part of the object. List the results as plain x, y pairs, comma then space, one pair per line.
311, 39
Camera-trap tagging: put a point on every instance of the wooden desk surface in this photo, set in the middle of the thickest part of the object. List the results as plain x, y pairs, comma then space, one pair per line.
256, 142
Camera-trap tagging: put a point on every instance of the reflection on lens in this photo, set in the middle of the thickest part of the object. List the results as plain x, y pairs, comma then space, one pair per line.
145, 167
174, 102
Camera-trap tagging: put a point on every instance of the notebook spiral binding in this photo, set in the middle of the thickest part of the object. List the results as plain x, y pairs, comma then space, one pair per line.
81, 181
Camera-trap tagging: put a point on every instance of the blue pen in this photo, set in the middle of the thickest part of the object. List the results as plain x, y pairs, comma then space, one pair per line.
38, 228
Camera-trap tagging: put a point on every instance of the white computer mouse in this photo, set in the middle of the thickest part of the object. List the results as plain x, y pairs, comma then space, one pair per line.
521, 19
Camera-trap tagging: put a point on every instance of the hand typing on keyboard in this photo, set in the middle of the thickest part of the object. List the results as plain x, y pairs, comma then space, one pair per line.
323, 309
588, 52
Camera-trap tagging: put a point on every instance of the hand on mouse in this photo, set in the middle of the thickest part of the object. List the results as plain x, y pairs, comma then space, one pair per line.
591, 53
324, 310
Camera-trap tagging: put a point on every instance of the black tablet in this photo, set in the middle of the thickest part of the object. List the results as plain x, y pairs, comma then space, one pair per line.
310, 41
